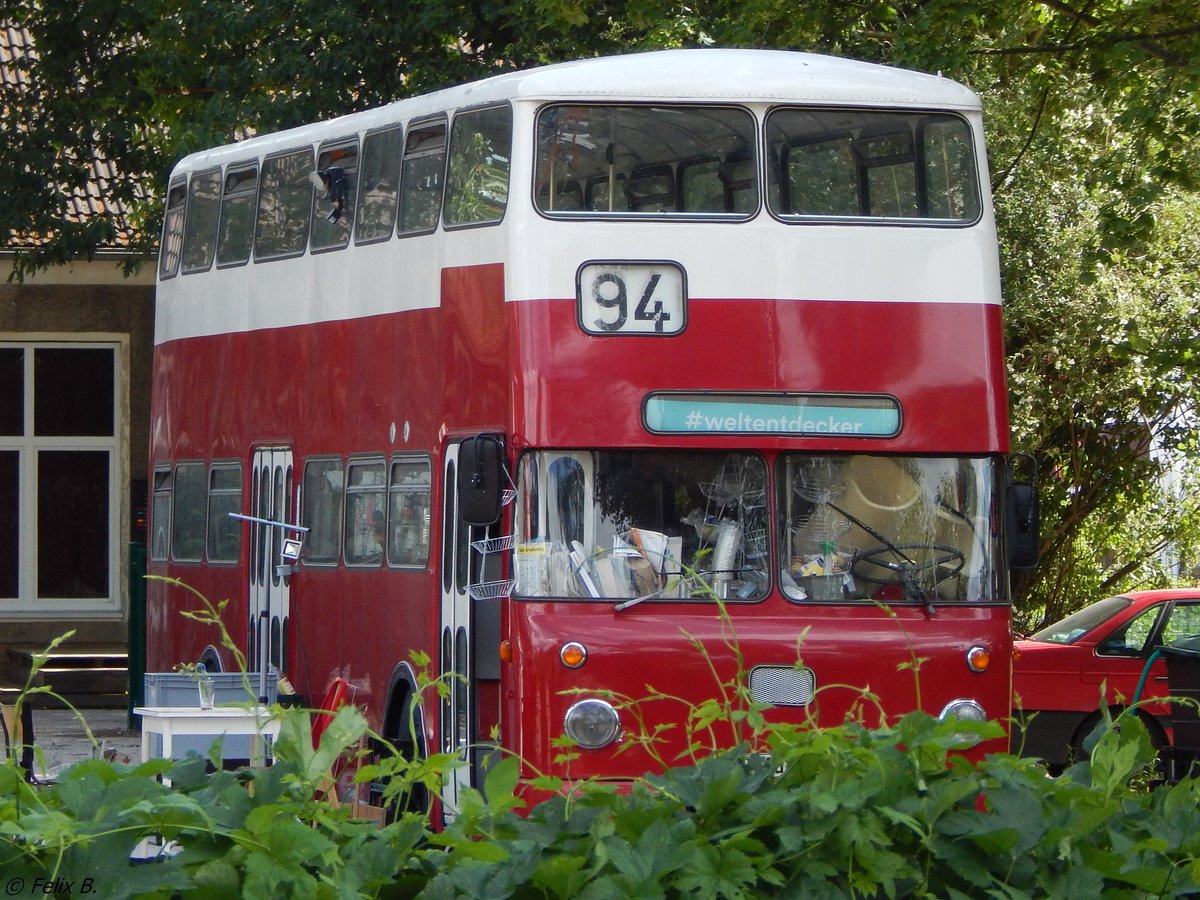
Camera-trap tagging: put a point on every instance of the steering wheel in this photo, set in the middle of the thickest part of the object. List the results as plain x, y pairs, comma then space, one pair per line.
905, 568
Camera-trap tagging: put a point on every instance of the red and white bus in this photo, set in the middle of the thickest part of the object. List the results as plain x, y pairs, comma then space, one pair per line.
540, 368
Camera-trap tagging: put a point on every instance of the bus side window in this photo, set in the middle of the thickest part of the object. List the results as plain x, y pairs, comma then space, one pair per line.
203, 216
172, 236
409, 501
379, 185
366, 513
235, 234
284, 206
321, 510
421, 178
224, 497
333, 202
188, 519
160, 516
480, 151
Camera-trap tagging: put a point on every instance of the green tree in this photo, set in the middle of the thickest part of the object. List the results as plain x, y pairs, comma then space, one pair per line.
1092, 113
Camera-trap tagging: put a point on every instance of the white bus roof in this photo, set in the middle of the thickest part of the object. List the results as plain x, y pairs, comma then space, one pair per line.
705, 75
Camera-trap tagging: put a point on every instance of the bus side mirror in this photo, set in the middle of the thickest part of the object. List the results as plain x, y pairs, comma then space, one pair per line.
481, 479
1022, 525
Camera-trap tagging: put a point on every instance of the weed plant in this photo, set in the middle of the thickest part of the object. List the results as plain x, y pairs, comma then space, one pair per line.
885, 810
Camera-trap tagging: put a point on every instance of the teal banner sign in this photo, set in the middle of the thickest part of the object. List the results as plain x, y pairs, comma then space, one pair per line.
821, 415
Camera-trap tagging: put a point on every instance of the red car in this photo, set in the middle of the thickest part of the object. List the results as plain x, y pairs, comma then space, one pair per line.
1058, 671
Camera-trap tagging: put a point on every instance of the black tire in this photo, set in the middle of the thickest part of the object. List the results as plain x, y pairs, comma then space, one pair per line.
398, 733
1081, 745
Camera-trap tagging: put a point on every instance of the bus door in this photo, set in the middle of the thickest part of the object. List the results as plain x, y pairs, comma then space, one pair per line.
270, 588
455, 636
471, 598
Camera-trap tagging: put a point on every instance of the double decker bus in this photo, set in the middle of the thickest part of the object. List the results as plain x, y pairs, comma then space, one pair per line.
573, 377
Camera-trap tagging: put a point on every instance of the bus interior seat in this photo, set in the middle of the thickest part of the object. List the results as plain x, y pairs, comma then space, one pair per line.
651, 188
568, 195
596, 194
699, 185
738, 177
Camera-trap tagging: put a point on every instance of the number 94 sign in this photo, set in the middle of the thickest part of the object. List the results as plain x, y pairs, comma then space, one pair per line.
631, 298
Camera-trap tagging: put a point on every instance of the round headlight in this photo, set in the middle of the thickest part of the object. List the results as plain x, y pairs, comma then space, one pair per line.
965, 711
970, 710
592, 724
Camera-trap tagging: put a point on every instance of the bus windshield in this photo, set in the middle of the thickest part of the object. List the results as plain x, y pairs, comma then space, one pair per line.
631, 523
889, 528
694, 525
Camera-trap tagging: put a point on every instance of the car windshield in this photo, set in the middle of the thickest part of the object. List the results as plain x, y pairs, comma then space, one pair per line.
1076, 625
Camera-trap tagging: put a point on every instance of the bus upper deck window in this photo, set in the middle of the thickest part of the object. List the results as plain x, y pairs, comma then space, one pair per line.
477, 179
379, 185
235, 234
871, 164
334, 201
638, 160
421, 178
284, 206
204, 213
172, 237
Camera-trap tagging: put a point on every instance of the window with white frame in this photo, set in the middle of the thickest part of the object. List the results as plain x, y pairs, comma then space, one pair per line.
60, 464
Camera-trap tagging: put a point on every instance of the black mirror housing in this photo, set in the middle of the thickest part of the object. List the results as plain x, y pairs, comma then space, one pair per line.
481, 479
1022, 524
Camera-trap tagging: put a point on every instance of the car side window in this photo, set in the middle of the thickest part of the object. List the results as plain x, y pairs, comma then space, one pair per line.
1131, 639
1184, 621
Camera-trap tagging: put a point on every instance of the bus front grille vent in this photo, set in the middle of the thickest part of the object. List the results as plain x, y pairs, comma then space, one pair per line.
782, 685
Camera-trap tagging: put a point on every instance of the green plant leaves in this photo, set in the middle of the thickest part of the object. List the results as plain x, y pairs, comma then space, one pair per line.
850, 811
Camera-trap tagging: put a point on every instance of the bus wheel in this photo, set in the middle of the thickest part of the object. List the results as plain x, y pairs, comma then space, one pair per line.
403, 734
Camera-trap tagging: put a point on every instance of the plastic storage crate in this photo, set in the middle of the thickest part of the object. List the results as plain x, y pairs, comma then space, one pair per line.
179, 689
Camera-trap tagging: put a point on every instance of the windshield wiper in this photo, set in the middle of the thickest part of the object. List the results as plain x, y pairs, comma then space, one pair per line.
625, 604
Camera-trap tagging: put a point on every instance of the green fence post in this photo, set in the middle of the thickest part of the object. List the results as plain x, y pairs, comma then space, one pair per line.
137, 631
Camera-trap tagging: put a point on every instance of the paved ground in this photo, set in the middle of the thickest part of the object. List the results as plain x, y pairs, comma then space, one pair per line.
62, 739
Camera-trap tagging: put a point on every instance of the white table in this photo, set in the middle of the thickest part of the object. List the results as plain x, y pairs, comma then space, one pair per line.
169, 721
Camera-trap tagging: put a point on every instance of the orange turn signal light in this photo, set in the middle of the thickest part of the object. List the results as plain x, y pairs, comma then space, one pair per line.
506, 651
979, 658
573, 654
